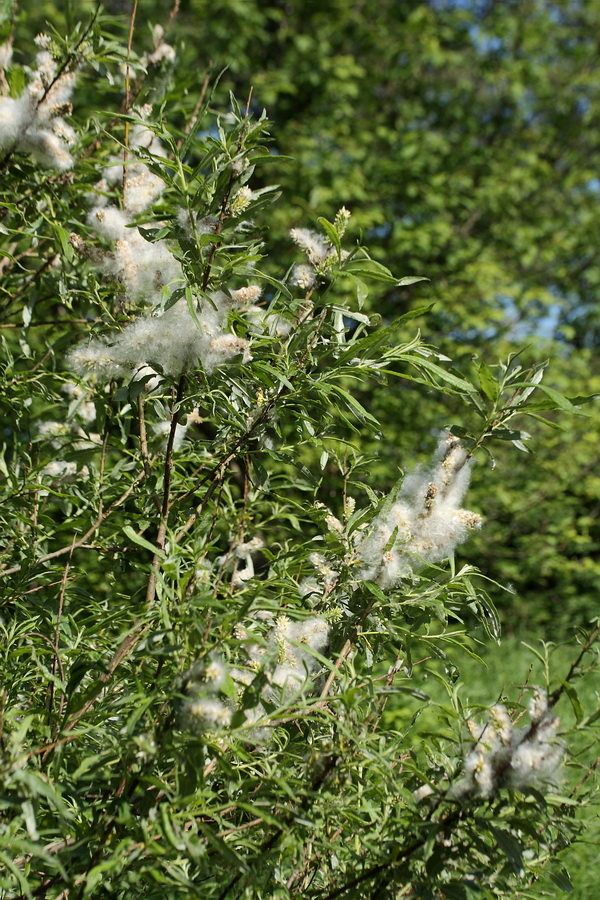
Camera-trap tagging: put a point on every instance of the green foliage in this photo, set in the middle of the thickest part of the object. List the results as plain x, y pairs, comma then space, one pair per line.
206, 656
462, 136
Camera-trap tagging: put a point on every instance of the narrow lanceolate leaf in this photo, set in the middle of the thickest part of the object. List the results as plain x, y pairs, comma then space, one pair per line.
558, 400
352, 403
142, 542
574, 699
488, 383
369, 269
410, 279
439, 374
561, 879
332, 235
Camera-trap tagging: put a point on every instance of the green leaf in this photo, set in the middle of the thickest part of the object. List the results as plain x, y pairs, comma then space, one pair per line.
368, 269
168, 829
375, 590
510, 846
561, 879
362, 291
353, 404
142, 542
558, 400
41, 786
63, 238
223, 849
332, 235
441, 374
574, 699
489, 384
391, 540
410, 279
268, 279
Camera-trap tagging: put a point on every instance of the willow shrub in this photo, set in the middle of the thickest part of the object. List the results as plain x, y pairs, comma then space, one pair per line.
210, 618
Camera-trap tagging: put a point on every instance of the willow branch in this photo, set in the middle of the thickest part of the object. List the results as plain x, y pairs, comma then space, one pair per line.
84, 538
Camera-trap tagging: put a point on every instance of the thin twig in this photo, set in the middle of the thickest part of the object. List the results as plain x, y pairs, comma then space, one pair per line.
128, 98
223, 213
166, 503
346, 649
134, 91
342, 655
144, 446
40, 587
249, 100
61, 599
50, 322
194, 117
172, 15
103, 453
557, 694
143, 436
82, 540
124, 649
240, 828
388, 683
129, 643
41, 361
27, 284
